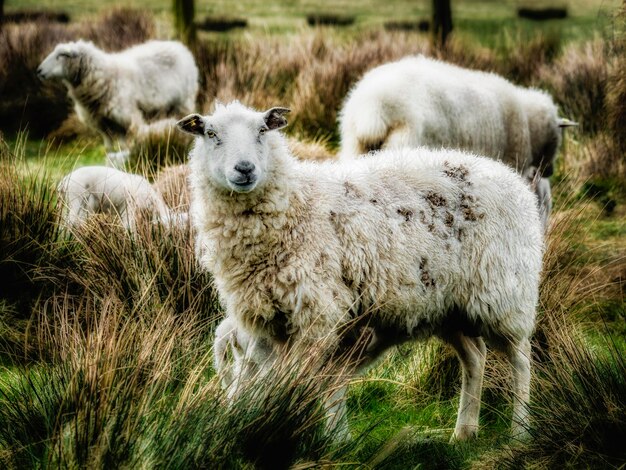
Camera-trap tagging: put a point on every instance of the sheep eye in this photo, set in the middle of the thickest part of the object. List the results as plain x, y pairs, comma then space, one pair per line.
211, 134
65, 55
262, 130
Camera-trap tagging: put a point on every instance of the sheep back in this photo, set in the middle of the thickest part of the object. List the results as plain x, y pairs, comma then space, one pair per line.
421, 101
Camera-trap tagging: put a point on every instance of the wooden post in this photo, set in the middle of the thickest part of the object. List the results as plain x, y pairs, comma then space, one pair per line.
442, 21
184, 12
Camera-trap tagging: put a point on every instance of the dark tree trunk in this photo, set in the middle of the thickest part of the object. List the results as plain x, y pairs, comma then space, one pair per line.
1, 11
184, 12
442, 21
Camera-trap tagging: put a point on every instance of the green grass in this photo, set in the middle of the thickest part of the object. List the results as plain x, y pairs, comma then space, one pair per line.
56, 159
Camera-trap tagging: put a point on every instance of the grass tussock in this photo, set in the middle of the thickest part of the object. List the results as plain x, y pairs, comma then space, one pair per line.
121, 389
578, 81
525, 57
155, 262
39, 260
158, 145
28, 230
172, 183
92, 403
578, 407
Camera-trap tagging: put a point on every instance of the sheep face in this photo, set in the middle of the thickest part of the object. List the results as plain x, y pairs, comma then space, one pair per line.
232, 146
65, 62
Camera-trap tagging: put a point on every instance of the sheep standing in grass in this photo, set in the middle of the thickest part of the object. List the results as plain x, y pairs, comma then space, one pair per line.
404, 245
419, 101
102, 190
116, 93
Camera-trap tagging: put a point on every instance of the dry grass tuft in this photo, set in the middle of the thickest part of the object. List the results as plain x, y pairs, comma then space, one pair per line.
578, 82
524, 58
28, 230
616, 95
157, 145
316, 150
172, 183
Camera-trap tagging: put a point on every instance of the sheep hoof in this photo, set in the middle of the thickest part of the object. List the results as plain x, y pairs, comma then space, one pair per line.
464, 433
519, 433
343, 435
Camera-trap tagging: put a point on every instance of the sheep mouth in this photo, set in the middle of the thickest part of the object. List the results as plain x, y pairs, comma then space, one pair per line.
243, 185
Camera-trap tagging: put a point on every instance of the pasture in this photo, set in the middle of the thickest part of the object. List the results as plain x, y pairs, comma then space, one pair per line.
106, 334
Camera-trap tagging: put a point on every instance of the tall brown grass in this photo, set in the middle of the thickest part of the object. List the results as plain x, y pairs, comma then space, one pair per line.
39, 260
578, 81
133, 386
28, 230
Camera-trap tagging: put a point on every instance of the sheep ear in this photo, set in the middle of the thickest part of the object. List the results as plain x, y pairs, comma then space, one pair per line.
274, 118
564, 122
192, 124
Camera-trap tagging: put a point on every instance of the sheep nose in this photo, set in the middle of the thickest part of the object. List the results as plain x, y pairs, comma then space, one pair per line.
39, 72
244, 167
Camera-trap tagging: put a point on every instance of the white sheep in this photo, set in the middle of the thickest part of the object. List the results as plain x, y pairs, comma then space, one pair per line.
418, 101
401, 245
103, 190
116, 93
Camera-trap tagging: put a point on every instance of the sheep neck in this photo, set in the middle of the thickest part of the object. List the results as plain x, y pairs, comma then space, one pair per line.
90, 90
251, 227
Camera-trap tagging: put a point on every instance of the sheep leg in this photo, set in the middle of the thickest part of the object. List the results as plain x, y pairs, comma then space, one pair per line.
519, 356
337, 414
471, 352
544, 198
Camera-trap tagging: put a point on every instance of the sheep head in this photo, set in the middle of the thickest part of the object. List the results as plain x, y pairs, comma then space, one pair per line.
233, 145
66, 62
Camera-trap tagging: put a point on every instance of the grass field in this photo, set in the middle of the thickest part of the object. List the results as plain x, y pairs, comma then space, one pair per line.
105, 335
486, 20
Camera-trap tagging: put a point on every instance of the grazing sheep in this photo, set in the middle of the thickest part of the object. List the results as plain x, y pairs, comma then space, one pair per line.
419, 101
116, 93
102, 190
367, 253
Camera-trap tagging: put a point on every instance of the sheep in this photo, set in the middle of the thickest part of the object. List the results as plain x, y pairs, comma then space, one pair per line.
405, 244
103, 190
420, 101
116, 93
